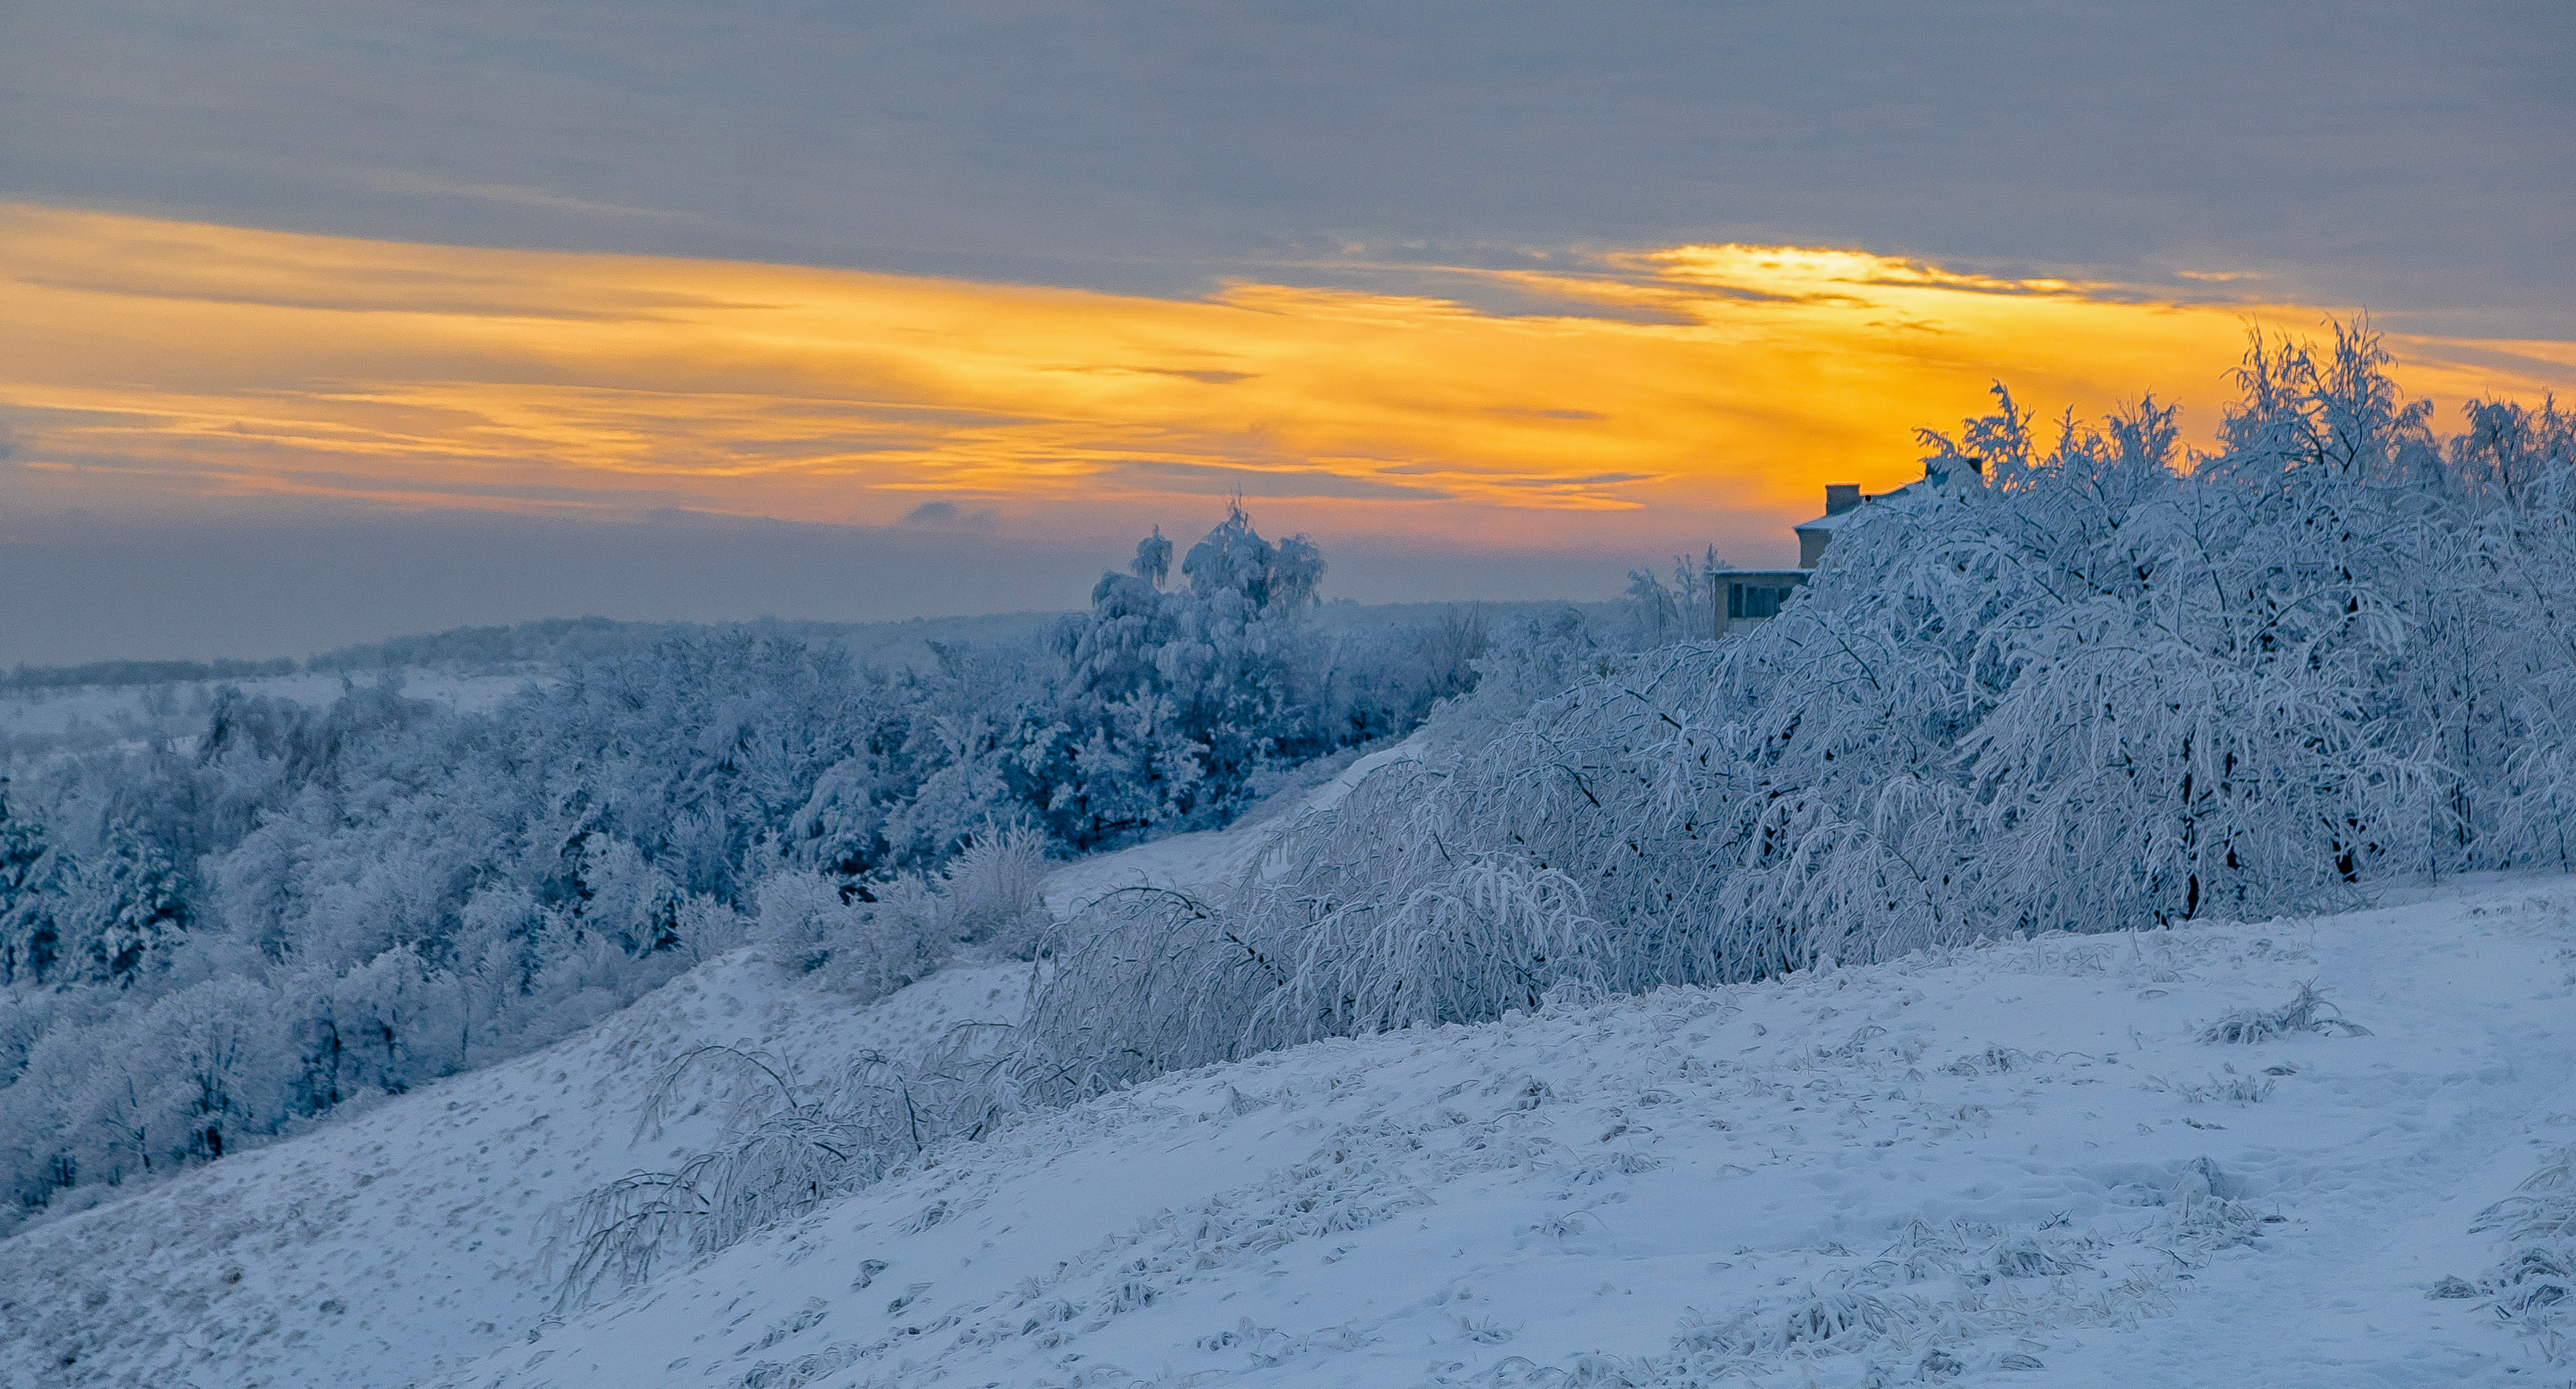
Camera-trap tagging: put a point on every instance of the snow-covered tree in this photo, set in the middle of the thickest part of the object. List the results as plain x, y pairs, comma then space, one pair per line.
125, 900
30, 897
1153, 558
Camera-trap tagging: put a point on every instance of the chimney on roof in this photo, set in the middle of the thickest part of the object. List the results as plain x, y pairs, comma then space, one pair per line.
1841, 497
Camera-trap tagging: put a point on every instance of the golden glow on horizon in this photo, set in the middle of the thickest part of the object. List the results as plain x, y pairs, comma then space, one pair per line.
156, 362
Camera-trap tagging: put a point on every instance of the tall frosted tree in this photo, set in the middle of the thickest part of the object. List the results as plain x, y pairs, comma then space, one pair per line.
30, 896
1153, 558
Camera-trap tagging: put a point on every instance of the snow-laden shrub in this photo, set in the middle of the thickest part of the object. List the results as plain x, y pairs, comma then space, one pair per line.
993, 892
1308, 946
2534, 1286
872, 940
1185, 984
2307, 1011
785, 1147
813, 922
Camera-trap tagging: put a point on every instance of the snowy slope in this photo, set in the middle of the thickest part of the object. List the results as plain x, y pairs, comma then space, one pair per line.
1973, 1168
1210, 857
380, 1248
1863, 1153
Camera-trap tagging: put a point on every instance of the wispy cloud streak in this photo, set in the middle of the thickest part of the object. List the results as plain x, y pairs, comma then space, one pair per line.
1636, 396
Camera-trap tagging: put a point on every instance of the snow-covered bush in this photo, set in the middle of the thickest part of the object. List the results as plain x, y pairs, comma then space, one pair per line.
2534, 1286
786, 1146
811, 921
993, 892
2307, 1011
1313, 947
871, 939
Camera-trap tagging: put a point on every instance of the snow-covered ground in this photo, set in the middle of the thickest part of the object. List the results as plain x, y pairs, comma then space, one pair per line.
2004, 1161
382, 1248
1192, 861
2013, 1165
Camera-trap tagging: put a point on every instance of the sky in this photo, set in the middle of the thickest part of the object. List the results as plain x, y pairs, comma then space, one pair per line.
334, 321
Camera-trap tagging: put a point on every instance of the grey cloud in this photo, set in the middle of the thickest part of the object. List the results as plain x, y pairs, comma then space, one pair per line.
1204, 378
628, 306
616, 500
397, 181
947, 515
2420, 164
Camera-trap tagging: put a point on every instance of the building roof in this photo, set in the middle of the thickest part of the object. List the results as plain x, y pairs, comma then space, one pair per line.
1833, 521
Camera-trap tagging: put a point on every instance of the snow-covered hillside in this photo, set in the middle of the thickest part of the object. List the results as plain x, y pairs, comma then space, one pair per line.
1209, 858
2003, 1160
382, 1248
2006, 1160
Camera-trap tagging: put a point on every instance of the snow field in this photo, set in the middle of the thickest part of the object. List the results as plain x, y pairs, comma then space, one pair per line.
1199, 861
381, 1248
2013, 1164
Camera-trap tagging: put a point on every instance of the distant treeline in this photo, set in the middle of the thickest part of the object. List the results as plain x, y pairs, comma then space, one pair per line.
568, 641
553, 641
142, 673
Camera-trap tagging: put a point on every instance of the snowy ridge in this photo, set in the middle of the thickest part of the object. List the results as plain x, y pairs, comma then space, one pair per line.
1968, 1167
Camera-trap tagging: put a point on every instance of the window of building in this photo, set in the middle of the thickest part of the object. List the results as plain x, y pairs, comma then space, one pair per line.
1754, 600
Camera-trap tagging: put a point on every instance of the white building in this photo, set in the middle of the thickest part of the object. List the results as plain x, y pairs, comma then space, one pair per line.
1752, 595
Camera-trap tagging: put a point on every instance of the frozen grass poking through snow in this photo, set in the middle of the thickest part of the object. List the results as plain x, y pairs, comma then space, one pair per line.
2533, 1284
2307, 1011
786, 1148
1919, 1311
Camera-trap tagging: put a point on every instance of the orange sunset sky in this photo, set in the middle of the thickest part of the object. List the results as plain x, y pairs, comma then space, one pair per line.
1641, 400
332, 321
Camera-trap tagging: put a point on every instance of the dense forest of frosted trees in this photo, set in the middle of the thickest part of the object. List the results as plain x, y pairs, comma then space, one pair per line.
205, 942
2086, 683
